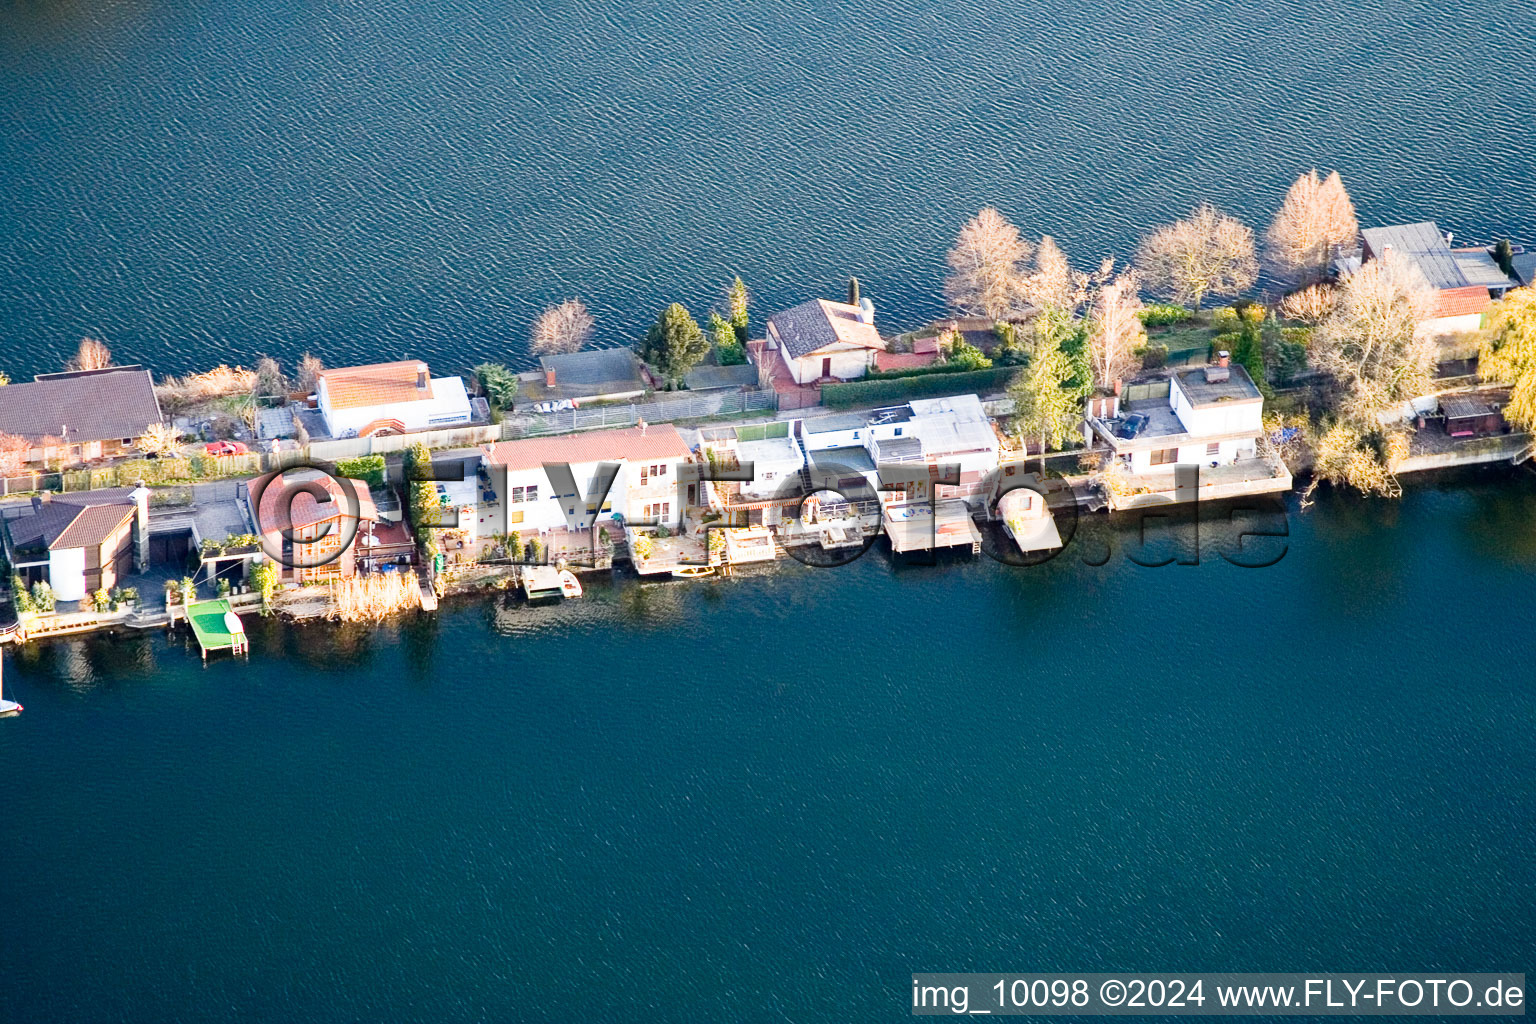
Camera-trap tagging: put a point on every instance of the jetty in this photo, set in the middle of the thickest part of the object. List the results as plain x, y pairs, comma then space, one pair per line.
217, 627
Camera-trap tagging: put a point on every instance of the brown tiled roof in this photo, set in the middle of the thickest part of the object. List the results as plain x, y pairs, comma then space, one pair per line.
812, 326
350, 387
274, 511
97, 405
661, 441
80, 520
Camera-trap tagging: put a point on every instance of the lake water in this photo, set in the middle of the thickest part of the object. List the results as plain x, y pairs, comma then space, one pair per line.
776, 796
740, 800
203, 182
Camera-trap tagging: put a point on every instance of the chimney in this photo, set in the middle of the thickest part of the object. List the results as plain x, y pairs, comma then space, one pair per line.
549, 376
140, 498
421, 378
853, 291
866, 311
1223, 358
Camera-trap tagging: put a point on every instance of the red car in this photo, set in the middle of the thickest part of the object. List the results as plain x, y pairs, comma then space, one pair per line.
226, 448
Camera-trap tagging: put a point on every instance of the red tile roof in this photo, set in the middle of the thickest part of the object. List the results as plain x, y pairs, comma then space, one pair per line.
352, 387
661, 441
282, 505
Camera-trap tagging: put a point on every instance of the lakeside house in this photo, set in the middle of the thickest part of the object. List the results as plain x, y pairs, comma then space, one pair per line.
81, 416
320, 524
561, 489
814, 343
80, 543
1209, 417
389, 398
596, 375
1466, 281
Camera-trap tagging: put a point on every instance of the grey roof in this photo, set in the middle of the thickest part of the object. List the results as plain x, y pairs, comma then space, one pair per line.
702, 377
600, 371
1423, 245
83, 519
1525, 268
97, 405
1461, 406
898, 449
771, 449
850, 458
1238, 387
1478, 267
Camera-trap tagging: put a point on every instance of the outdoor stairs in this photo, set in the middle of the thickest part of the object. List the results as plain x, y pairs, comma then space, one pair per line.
805, 460
428, 595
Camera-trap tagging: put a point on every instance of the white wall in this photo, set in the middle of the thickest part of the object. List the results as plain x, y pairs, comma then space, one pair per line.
848, 362
1195, 455
449, 404
1225, 418
627, 497
66, 573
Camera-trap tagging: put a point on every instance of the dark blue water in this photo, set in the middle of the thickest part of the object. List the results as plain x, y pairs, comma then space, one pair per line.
774, 797
202, 182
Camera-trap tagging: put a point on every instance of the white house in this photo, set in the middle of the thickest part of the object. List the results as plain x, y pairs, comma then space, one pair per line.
1212, 418
389, 398
822, 341
630, 473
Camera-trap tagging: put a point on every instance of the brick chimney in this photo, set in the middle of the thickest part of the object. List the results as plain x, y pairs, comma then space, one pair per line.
549, 376
1223, 358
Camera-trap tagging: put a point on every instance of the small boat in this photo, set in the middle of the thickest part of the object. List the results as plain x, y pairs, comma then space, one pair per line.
688, 572
570, 586
7, 707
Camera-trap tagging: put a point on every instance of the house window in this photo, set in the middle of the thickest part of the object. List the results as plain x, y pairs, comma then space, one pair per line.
525, 493
1213, 449
1165, 456
898, 431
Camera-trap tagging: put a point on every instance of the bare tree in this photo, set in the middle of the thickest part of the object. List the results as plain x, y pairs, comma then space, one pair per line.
987, 267
563, 328
1115, 329
1054, 284
1317, 216
1310, 305
1370, 344
269, 377
91, 355
13, 454
1206, 253
160, 439
310, 368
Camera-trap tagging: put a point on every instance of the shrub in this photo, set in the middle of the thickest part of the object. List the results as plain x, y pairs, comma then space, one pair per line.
497, 383
100, 600
1160, 314
1154, 356
264, 579
42, 597
535, 550
643, 547
367, 468
223, 588
21, 595
868, 391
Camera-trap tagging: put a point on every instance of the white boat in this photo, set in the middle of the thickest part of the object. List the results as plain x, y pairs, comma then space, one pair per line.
570, 586
7, 707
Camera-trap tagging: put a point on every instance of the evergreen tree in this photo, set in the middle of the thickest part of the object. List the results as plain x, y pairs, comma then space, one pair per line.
675, 344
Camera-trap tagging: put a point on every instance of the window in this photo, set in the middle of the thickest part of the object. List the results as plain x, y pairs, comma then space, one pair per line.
1213, 449
898, 431
1165, 456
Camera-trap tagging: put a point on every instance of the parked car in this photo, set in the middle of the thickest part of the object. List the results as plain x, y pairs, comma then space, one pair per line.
1131, 426
226, 448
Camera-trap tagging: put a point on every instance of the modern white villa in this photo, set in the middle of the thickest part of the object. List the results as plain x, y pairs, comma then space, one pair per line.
1209, 417
389, 398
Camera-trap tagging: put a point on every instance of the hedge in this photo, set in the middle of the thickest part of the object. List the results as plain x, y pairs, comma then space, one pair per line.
900, 389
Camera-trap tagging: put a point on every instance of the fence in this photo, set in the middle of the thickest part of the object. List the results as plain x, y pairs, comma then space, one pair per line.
128, 474
1145, 392
354, 447
683, 407
856, 393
